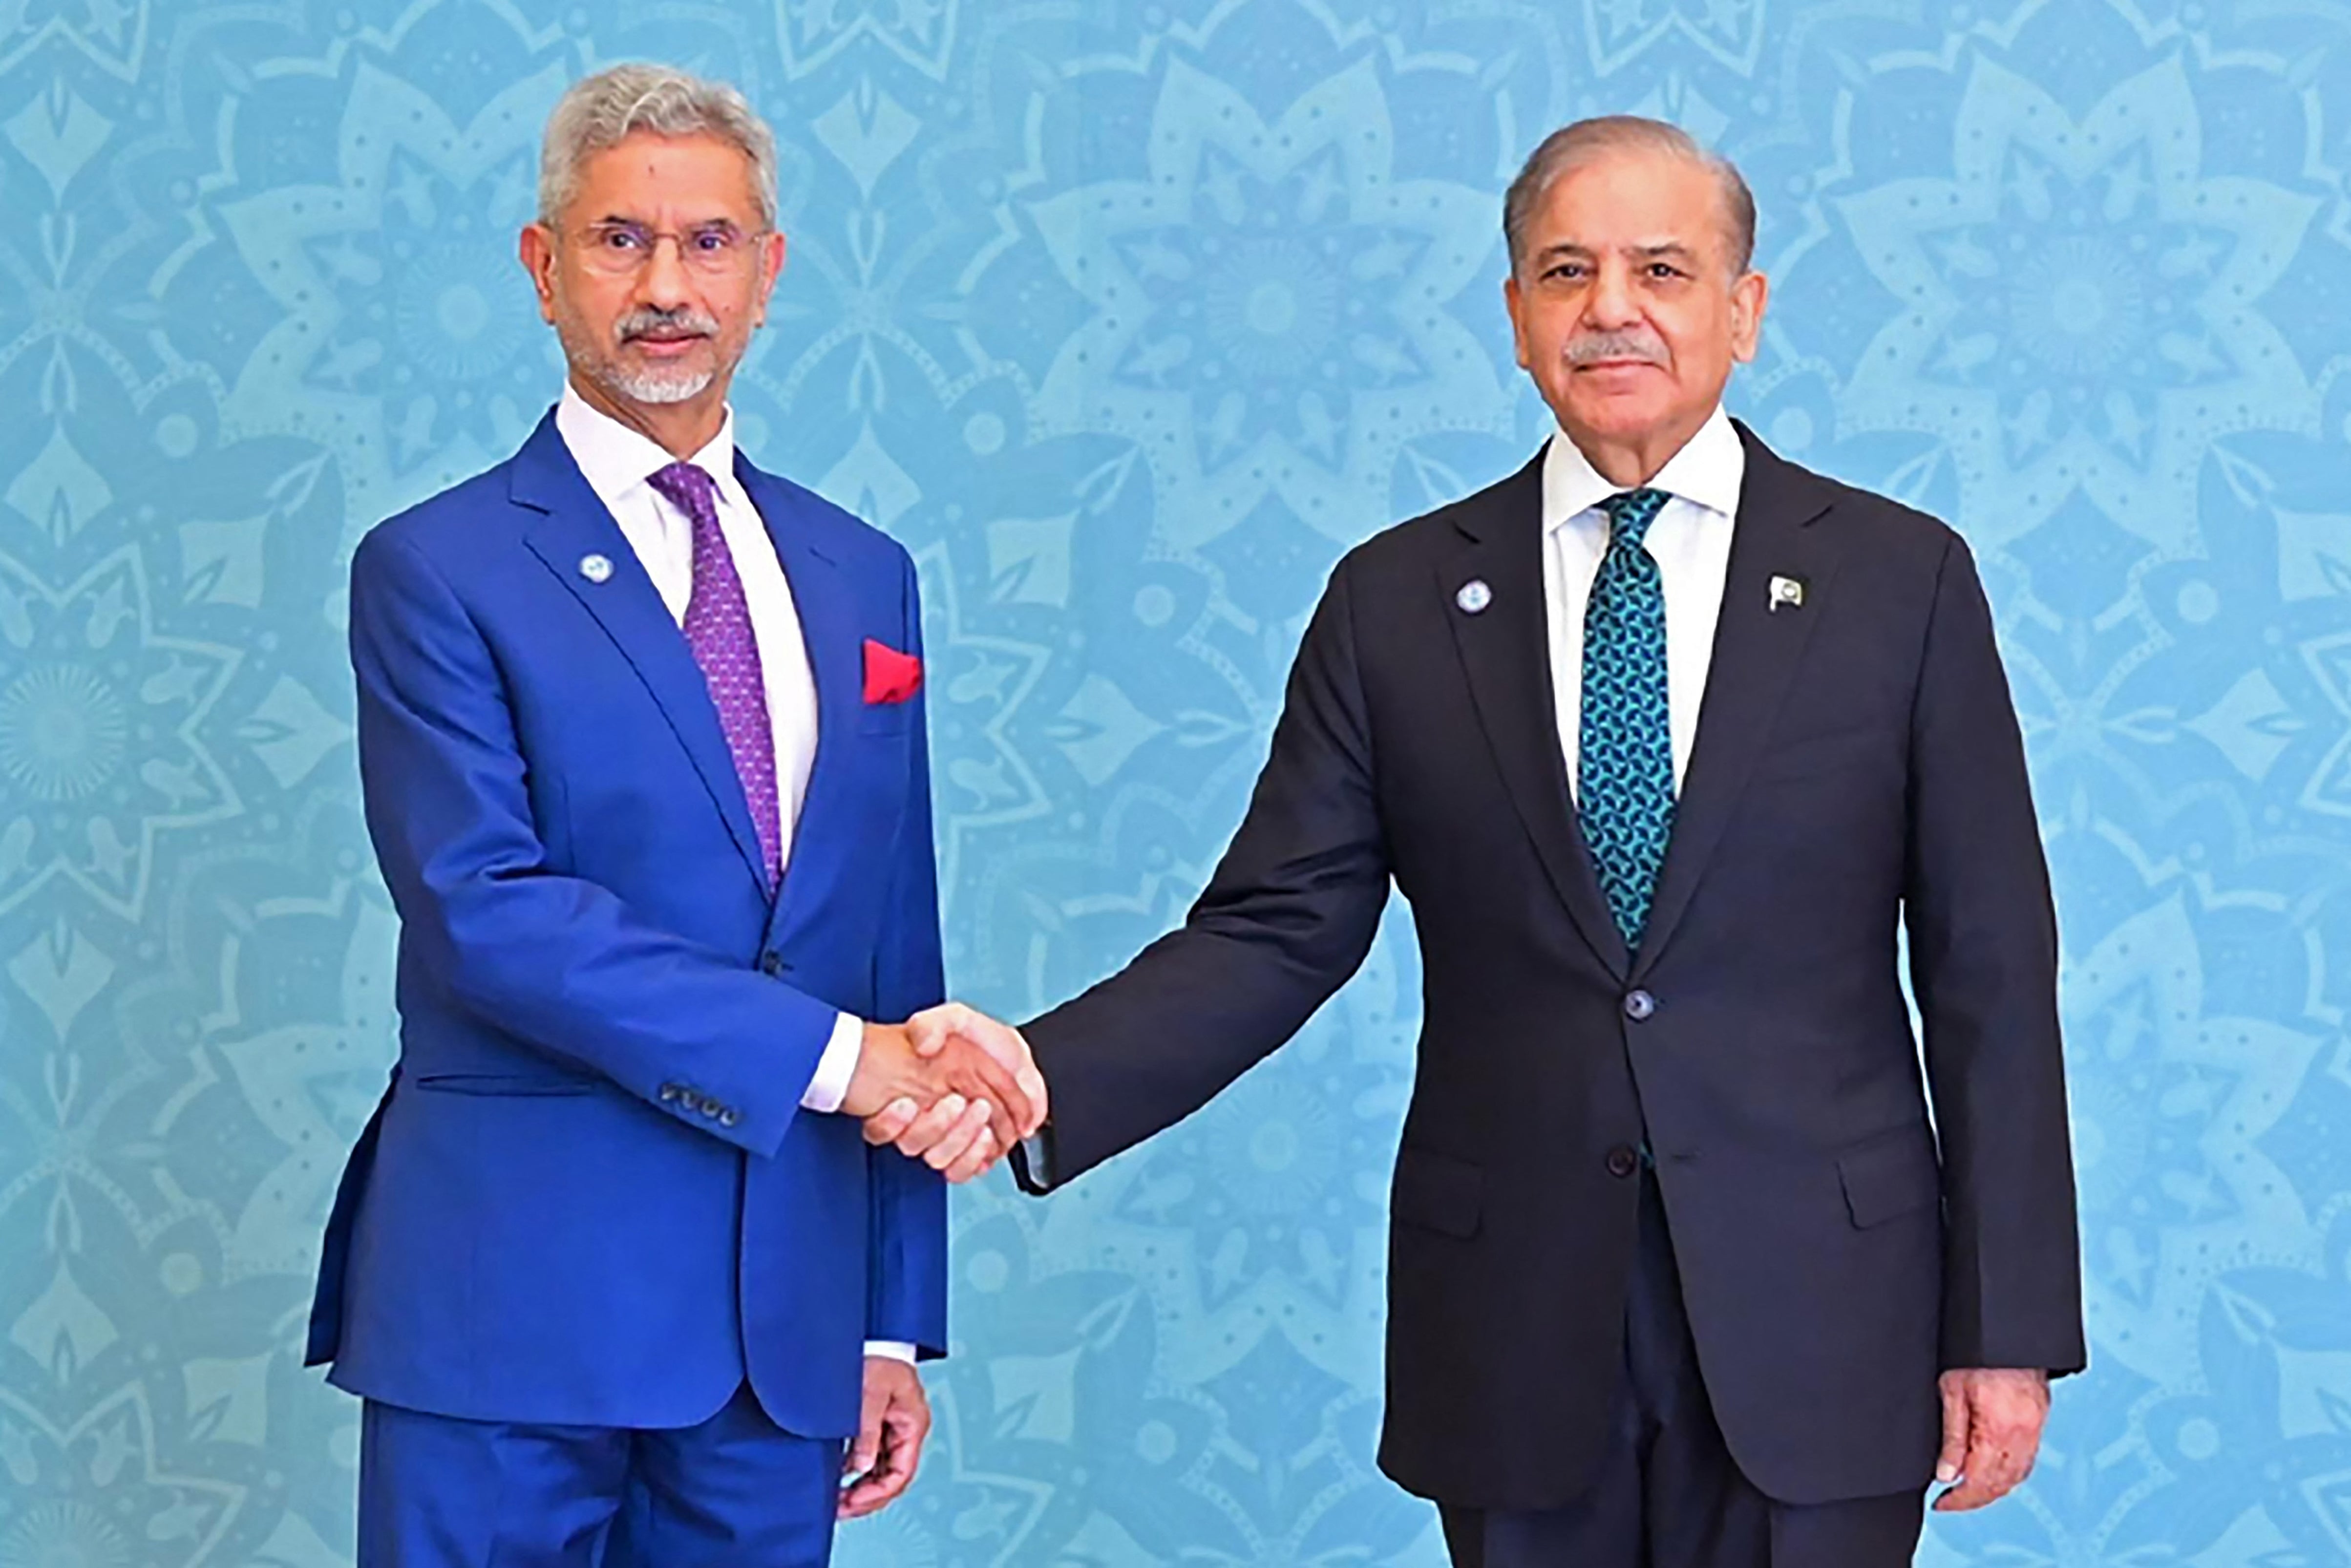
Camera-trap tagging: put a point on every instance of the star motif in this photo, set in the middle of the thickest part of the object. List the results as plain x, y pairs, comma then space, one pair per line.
2171, 1107
408, 336
2079, 304
814, 32
1271, 306
103, 743
95, 1490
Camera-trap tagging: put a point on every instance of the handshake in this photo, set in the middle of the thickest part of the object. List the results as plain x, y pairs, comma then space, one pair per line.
951, 1087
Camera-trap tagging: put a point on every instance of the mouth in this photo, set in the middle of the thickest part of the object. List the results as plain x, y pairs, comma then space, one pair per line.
664, 345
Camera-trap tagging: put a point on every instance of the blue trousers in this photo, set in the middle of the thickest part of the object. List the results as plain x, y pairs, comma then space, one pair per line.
439, 1493
1669, 1495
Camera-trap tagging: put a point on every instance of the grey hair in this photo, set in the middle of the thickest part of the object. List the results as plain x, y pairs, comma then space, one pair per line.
1577, 146
599, 111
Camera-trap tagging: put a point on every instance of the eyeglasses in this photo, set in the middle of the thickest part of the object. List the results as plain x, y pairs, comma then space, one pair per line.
713, 250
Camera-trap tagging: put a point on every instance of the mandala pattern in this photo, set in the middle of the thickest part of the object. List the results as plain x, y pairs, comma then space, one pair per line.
1129, 319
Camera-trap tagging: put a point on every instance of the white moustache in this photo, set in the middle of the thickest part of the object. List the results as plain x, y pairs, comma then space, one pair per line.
1641, 346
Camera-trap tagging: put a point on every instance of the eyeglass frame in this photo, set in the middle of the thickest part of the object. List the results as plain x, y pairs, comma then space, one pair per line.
732, 258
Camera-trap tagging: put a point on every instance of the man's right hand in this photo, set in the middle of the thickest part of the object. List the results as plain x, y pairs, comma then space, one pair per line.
938, 1135
976, 1096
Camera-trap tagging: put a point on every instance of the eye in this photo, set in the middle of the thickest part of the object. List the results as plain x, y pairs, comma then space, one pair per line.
1567, 269
715, 240
1660, 271
620, 237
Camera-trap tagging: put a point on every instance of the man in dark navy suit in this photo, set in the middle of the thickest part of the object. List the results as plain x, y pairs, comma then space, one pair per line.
1665, 739
642, 740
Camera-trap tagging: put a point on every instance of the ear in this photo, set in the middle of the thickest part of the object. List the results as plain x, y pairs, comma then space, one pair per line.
537, 247
1513, 301
771, 266
1748, 297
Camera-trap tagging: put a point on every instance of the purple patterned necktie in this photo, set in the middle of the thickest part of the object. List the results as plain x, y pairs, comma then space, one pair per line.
718, 630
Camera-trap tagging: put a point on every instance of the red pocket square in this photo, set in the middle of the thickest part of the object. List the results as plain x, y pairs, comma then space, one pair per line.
890, 676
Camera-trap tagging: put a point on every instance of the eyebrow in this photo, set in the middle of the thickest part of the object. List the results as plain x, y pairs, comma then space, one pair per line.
614, 220
1659, 250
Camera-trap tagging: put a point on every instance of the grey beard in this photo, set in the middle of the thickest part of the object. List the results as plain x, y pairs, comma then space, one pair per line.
652, 387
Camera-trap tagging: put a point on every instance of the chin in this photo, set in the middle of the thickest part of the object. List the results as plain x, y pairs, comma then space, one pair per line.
664, 385
1619, 417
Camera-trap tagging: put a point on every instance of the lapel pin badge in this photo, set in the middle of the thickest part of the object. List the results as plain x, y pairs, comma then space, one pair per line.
1474, 596
1788, 592
598, 568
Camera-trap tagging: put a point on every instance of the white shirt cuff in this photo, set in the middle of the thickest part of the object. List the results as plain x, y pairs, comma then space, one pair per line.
890, 1349
836, 1067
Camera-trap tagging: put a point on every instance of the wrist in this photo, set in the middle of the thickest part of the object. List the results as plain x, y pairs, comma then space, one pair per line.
874, 1084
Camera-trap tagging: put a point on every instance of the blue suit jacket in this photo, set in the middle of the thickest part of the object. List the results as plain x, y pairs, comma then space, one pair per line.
591, 1194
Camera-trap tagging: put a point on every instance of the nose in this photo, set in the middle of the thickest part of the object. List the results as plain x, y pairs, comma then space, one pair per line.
1610, 304
661, 283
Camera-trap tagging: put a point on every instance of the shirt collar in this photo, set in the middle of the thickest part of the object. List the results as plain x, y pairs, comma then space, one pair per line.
1707, 472
615, 459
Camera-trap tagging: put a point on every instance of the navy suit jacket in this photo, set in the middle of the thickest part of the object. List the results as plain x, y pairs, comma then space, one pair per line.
591, 1194
1858, 768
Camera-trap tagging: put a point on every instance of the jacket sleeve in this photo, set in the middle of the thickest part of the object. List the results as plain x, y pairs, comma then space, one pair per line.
1285, 921
556, 963
907, 1299
1983, 967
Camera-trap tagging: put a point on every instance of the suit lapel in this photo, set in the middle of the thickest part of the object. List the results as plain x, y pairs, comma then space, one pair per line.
1756, 650
1506, 651
574, 526
829, 627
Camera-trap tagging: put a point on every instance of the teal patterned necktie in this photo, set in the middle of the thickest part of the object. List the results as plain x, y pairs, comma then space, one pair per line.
1625, 751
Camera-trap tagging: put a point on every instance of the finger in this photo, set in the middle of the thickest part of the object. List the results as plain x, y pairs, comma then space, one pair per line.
1032, 1084
1011, 1049
981, 1077
865, 1448
967, 1130
1968, 1495
931, 1030
1955, 1432
932, 1124
1990, 1471
888, 1125
981, 1154
892, 1475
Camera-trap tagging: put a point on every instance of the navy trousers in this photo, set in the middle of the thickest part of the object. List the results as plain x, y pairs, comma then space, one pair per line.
438, 1492
1669, 1495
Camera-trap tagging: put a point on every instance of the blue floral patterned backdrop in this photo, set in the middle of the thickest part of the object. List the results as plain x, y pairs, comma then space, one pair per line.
1128, 315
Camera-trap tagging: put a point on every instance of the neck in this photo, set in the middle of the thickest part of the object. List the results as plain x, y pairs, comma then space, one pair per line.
1631, 461
680, 429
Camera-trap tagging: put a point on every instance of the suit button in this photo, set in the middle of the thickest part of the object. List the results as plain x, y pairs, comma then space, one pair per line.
772, 963
1639, 1005
729, 1117
1623, 1162
669, 1094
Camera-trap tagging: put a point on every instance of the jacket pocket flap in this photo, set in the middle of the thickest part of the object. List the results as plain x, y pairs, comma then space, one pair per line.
1890, 1175
500, 1083
1439, 1192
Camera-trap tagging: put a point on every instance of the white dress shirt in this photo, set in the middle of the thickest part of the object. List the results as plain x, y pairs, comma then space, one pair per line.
618, 463
1689, 540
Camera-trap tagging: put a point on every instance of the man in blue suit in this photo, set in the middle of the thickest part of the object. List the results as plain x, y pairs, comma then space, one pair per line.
643, 746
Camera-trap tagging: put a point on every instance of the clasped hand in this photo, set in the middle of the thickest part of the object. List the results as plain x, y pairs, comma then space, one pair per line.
951, 1087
